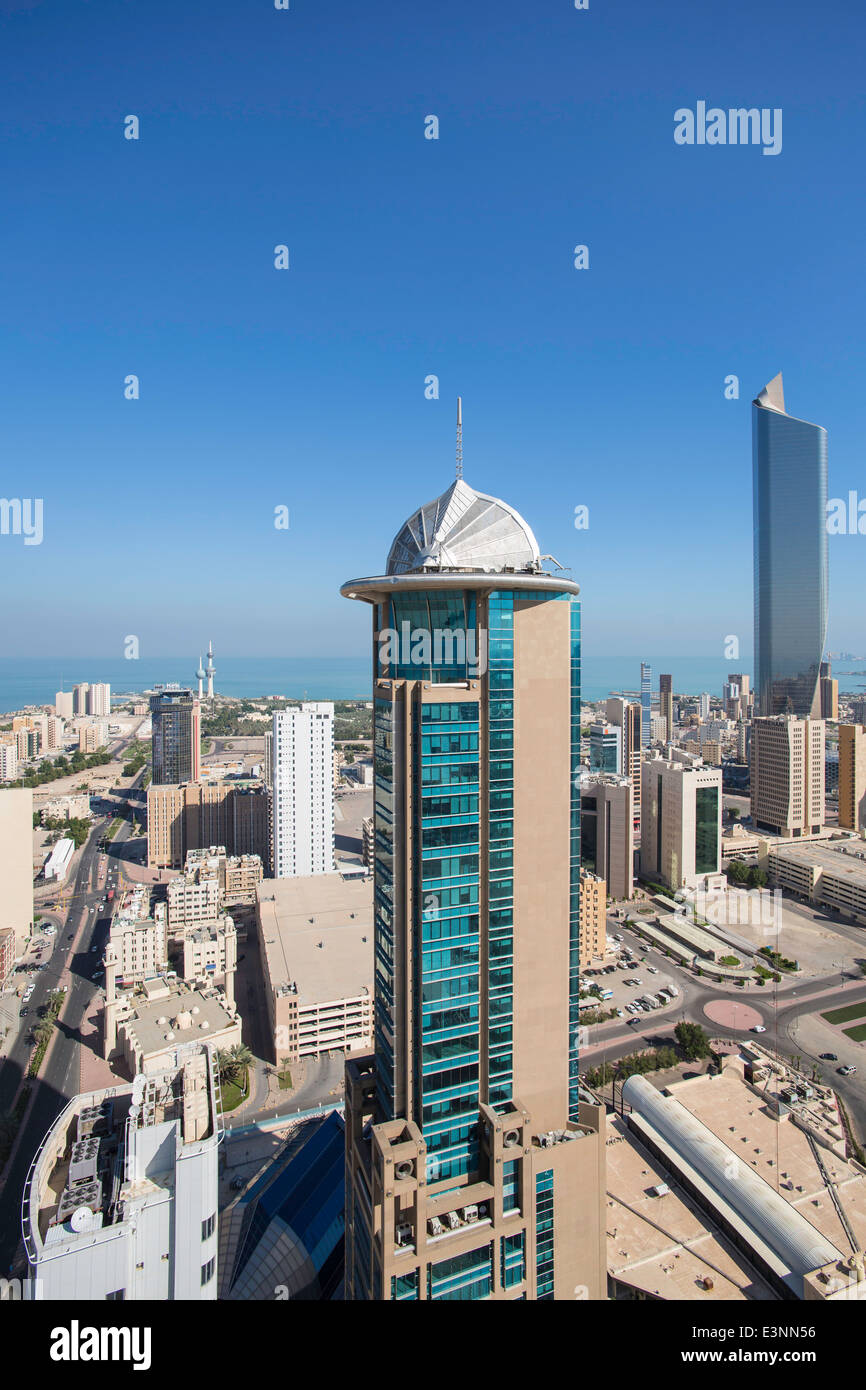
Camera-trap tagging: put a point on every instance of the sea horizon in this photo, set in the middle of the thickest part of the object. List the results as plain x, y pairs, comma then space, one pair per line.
26, 681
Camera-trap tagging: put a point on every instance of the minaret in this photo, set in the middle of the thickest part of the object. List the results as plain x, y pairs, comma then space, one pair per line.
210, 670
200, 675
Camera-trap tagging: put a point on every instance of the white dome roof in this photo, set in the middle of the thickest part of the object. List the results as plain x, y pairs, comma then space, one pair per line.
464, 529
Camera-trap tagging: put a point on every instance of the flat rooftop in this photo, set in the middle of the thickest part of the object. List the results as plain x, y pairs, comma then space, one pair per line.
317, 932
665, 1245
158, 1010
840, 862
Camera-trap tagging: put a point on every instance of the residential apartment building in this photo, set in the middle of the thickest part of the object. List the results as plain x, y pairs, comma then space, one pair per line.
99, 700
8, 762
64, 704
197, 815
92, 736
852, 776
16, 862
302, 796
787, 776
137, 945
593, 918
681, 837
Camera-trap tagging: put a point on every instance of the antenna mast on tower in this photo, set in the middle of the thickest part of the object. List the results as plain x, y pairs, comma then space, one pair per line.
459, 437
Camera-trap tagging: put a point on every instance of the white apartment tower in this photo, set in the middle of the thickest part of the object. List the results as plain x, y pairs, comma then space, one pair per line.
99, 700
302, 795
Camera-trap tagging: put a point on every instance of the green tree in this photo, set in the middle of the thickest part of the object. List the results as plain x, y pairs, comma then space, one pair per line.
693, 1041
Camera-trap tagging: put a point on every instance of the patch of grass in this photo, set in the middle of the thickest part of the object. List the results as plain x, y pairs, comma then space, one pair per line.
845, 1015
232, 1095
857, 1034
729, 960
285, 1080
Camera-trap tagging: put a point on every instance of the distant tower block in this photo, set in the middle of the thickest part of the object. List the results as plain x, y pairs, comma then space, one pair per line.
210, 670
200, 675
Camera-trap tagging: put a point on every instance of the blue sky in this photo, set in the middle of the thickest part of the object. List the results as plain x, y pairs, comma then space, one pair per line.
412, 257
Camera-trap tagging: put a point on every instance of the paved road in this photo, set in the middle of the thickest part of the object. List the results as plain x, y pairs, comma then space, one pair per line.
59, 1078
780, 1007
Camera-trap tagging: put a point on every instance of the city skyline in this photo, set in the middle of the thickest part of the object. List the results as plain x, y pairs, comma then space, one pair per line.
284, 389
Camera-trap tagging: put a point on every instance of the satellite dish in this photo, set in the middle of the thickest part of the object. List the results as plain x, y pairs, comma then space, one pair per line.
81, 1219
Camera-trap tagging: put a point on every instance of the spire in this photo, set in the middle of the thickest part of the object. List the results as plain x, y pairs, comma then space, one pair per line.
459, 470
772, 397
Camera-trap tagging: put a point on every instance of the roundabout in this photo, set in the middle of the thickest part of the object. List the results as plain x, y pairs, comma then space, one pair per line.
730, 1013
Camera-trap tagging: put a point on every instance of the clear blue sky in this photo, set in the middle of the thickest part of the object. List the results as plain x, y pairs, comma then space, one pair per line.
409, 257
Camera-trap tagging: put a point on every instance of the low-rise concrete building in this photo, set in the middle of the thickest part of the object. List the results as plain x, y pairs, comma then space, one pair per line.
316, 952
827, 873
144, 1025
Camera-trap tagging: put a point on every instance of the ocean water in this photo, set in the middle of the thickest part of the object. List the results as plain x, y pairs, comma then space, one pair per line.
34, 681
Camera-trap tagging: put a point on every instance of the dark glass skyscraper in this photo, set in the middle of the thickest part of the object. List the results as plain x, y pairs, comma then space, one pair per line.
462, 1181
176, 719
789, 472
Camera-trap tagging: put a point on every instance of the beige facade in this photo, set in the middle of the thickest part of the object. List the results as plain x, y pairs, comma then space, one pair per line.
16, 862
92, 737
711, 752
144, 1026
7, 955
210, 954
367, 841
681, 831
593, 918
194, 815
534, 1196
64, 704
852, 776
829, 698
65, 808
137, 943
316, 954
607, 831
788, 775
8, 762
627, 717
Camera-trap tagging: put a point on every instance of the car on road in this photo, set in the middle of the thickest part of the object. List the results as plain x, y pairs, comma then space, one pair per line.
758, 1028
828, 1056
846, 1071
22, 1013
70, 936
652, 970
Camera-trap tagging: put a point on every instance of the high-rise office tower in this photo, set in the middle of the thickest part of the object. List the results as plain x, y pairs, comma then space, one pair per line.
681, 837
789, 472
605, 747
705, 704
788, 775
852, 776
99, 699
627, 717
302, 797
858, 709
666, 704
741, 680
176, 718
646, 703
732, 700
64, 704
79, 697
607, 831
475, 1160
829, 698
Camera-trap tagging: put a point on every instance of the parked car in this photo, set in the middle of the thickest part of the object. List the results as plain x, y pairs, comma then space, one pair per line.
846, 1071
22, 1013
828, 1056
